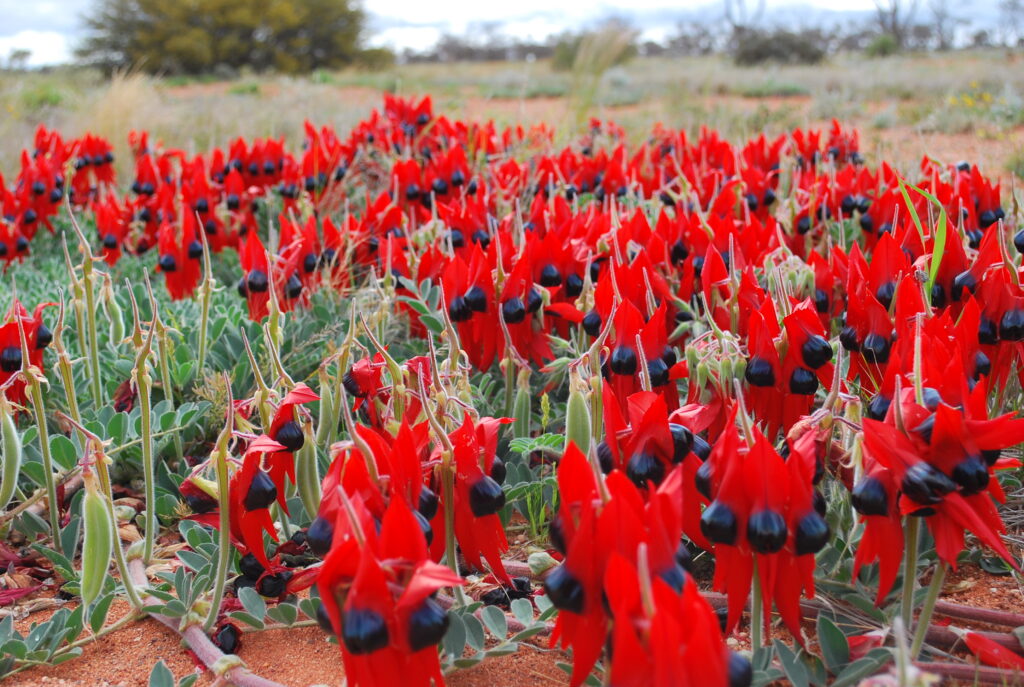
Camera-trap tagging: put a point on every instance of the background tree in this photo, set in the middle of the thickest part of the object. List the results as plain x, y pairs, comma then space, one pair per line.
1011, 21
896, 19
194, 36
945, 23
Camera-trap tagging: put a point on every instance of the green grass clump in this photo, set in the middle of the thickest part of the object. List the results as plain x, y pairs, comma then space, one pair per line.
773, 89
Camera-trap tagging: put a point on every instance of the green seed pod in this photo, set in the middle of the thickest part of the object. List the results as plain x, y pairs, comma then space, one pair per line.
521, 409
577, 421
703, 372
725, 371
692, 360
323, 425
307, 474
10, 459
97, 547
115, 315
739, 368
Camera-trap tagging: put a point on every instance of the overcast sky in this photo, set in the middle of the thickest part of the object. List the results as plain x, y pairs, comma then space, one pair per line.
50, 28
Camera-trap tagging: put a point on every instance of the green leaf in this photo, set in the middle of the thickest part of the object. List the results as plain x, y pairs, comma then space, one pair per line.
862, 668
69, 535
283, 613
195, 534
433, 323
252, 602
495, 620
63, 451
795, 670
117, 428
16, 648
938, 250
474, 632
454, 641
188, 680
1019, 634
181, 373
60, 562
762, 658
910, 207
308, 607
523, 611
248, 619
530, 631
193, 560
161, 675
73, 652
174, 609
36, 473
834, 647
98, 612
469, 662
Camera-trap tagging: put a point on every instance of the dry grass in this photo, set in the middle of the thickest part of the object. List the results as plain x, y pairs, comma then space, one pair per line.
910, 93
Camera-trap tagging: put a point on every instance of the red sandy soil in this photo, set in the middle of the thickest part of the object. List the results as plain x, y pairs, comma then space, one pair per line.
295, 657
303, 656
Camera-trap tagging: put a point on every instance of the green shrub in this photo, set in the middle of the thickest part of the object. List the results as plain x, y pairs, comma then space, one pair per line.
41, 96
786, 47
772, 89
245, 88
882, 45
1016, 163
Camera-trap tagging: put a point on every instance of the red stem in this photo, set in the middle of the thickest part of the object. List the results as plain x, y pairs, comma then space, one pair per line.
972, 674
193, 635
982, 615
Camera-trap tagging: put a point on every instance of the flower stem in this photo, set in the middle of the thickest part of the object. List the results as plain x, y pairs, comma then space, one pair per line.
90, 316
912, 526
147, 463
164, 352
934, 589
220, 462
44, 449
206, 294
756, 612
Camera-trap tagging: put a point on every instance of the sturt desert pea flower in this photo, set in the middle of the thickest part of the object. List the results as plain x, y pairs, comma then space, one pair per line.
397, 474
624, 368
14, 244
477, 497
112, 226
761, 508
663, 637
306, 242
942, 459
180, 256
472, 307
648, 448
251, 494
287, 430
37, 336
378, 592
587, 530
255, 283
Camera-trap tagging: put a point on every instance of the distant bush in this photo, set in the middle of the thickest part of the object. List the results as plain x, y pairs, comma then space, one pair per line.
41, 96
773, 89
882, 45
1016, 163
158, 36
375, 59
752, 47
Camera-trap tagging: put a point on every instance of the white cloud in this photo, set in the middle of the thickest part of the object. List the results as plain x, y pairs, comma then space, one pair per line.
46, 47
